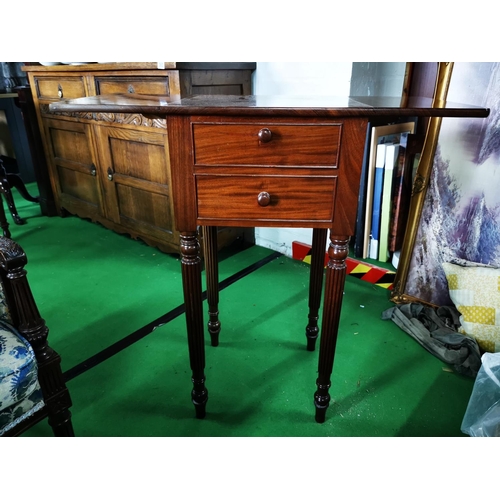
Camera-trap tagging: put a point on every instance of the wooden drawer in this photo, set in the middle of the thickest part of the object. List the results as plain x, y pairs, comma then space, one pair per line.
292, 198
149, 85
53, 87
264, 144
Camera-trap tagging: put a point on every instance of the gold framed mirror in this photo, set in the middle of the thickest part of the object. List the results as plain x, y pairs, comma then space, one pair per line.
420, 184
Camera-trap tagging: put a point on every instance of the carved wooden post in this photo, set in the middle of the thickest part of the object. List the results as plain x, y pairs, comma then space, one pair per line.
334, 288
31, 326
212, 277
315, 285
191, 279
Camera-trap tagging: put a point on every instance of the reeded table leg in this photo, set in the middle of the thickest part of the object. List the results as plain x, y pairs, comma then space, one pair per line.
191, 279
315, 285
334, 288
212, 275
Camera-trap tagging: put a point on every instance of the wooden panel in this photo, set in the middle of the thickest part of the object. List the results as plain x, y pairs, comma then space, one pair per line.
141, 160
52, 87
292, 197
132, 85
73, 166
70, 145
217, 90
78, 185
144, 207
216, 82
183, 181
239, 144
138, 192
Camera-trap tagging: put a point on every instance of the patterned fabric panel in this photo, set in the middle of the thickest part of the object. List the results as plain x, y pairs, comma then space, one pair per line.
475, 291
18, 367
4, 310
15, 414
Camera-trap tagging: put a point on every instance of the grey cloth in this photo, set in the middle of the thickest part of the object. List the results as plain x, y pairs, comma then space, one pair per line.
437, 331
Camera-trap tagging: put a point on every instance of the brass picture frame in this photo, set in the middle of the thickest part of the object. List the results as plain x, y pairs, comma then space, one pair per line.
419, 188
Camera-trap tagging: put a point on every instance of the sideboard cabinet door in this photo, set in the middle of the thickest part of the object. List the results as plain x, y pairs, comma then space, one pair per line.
74, 167
135, 178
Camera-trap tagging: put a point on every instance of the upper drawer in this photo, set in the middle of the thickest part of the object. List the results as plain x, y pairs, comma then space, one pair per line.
264, 144
149, 85
53, 87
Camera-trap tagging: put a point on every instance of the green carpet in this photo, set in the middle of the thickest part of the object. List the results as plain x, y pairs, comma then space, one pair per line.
95, 287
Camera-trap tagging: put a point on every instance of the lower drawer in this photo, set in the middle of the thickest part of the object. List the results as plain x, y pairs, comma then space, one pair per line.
266, 198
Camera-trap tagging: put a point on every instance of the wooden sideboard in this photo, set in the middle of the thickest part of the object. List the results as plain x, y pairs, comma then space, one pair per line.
114, 168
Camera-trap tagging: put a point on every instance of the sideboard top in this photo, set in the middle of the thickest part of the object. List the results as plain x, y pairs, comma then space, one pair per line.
130, 66
257, 105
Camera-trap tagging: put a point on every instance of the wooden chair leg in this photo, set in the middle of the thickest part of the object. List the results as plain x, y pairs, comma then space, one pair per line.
16, 182
33, 328
7, 193
10, 180
3, 220
59, 402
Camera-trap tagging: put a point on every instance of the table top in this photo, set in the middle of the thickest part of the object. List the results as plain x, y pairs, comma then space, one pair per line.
263, 105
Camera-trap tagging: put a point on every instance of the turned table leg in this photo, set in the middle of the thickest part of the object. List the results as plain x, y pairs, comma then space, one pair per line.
212, 276
334, 288
191, 279
315, 285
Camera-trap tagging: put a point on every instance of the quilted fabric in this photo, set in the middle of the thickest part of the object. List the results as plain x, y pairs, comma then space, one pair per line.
19, 388
475, 291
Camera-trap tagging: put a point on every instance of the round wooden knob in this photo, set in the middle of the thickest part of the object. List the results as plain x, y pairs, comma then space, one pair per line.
265, 135
264, 199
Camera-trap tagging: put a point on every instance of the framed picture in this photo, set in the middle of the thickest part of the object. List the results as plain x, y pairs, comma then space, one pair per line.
455, 211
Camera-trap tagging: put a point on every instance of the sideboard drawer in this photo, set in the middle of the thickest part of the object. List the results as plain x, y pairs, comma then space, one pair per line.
261, 198
53, 87
149, 85
266, 144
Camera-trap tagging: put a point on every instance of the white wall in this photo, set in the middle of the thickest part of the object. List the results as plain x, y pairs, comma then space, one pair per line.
318, 78
290, 78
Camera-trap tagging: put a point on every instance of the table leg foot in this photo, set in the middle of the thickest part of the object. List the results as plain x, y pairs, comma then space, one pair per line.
199, 397
214, 329
312, 333
200, 411
320, 416
321, 401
